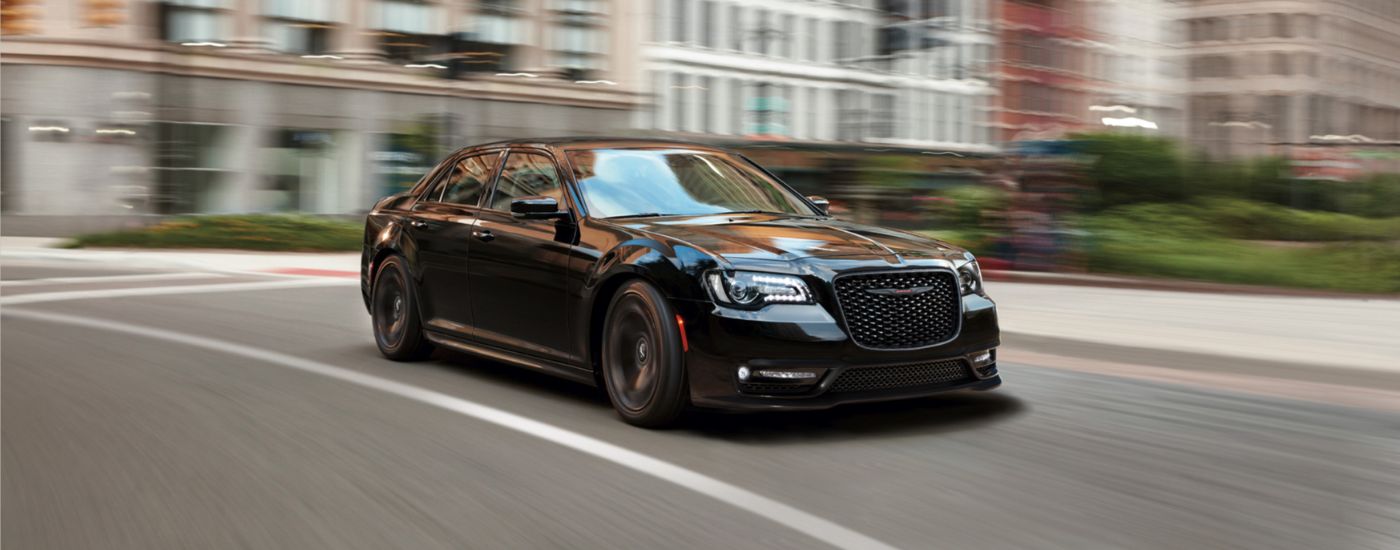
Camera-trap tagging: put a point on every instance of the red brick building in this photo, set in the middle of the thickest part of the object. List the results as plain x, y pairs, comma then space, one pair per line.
1043, 69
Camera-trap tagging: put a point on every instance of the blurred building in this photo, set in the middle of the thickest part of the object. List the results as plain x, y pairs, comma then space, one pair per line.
817, 79
1047, 84
1135, 65
115, 109
1272, 77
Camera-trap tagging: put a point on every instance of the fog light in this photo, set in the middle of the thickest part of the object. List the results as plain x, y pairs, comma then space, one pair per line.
787, 374
743, 373
982, 358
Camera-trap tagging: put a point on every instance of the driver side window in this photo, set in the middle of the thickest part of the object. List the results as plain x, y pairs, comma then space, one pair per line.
525, 175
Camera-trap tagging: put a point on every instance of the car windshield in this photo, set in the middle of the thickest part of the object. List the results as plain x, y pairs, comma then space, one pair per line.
676, 182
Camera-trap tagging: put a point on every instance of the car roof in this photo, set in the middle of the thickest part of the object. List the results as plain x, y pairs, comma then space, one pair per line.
590, 142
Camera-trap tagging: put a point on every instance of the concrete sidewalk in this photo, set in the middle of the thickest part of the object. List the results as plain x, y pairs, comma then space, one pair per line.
331, 264
1347, 333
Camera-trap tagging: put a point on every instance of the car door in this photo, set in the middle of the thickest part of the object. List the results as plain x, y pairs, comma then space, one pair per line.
441, 227
518, 272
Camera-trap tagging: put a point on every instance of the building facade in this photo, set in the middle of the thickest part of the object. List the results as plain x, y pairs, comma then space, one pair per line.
854, 72
1277, 76
117, 110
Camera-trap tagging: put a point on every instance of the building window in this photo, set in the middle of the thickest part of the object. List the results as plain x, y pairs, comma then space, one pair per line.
660, 22
498, 29
709, 12
882, 116
707, 107
762, 33
408, 32
582, 7
843, 37
578, 41
299, 27
736, 107
407, 17
785, 40
769, 109
678, 104
1282, 25
851, 113
194, 21
680, 21
813, 40
736, 28
579, 47
656, 116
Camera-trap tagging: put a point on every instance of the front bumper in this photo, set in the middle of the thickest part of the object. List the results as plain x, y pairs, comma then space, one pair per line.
808, 339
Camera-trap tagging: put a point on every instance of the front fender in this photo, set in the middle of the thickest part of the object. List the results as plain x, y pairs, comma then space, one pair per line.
673, 269
384, 235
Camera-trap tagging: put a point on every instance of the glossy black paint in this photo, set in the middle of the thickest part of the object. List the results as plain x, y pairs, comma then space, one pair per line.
533, 291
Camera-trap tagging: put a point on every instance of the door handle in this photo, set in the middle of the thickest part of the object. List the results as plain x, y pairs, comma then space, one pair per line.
484, 235
418, 223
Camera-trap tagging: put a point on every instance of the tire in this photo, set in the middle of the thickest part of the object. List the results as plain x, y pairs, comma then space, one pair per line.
643, 364
398, 328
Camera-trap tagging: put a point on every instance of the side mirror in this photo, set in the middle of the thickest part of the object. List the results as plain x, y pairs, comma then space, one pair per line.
536, 208
820, 202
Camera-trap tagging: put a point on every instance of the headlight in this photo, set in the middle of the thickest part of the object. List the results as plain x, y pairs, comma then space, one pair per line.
970, 278
749, 289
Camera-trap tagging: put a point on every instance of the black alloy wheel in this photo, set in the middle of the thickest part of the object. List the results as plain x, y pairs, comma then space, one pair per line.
398, 331
643, 367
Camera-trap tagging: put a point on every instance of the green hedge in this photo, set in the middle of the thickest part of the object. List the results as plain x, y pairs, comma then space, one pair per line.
244, 232
1239, 219
1218, 242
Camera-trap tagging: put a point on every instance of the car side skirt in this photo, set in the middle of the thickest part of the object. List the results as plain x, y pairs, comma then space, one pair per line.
481, 350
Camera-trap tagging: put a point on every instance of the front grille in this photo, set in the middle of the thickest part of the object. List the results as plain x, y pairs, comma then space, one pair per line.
933, 373
898, 321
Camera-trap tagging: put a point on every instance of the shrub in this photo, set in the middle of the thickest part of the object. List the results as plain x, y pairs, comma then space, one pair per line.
248, 232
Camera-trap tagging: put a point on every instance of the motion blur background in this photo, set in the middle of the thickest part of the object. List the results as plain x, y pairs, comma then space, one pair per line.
1045, 134
1172, 149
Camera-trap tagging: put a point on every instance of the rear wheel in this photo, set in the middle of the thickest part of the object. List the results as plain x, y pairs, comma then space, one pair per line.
643, 367
398, 331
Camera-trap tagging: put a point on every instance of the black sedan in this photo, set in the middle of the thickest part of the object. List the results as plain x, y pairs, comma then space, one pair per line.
672, 274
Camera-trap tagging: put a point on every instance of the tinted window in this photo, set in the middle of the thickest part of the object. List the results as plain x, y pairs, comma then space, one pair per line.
526, 174
628, 182
464, 183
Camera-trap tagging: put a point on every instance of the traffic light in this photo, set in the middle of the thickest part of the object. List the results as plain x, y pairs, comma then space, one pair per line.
17, 16
104, 13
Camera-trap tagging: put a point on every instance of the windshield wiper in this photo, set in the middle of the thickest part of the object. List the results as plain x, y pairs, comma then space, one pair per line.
757, 212
642, 215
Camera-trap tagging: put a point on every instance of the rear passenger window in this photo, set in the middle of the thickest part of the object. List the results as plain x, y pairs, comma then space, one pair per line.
525, 175
468, 179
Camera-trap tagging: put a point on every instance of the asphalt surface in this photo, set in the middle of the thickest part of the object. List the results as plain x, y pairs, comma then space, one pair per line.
112, 439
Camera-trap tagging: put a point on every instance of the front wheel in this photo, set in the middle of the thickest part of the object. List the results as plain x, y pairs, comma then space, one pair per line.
398, 330
643, 367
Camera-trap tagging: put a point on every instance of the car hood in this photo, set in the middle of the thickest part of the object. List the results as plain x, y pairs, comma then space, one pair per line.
772, 237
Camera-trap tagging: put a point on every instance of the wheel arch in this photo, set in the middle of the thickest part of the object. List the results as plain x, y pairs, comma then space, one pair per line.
385, 237
642, 259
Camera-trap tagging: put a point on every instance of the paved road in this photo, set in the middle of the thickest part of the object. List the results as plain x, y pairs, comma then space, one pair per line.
201, 420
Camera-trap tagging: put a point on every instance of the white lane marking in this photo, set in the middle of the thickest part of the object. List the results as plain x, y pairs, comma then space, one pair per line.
157, 291
113, 278
798, 520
